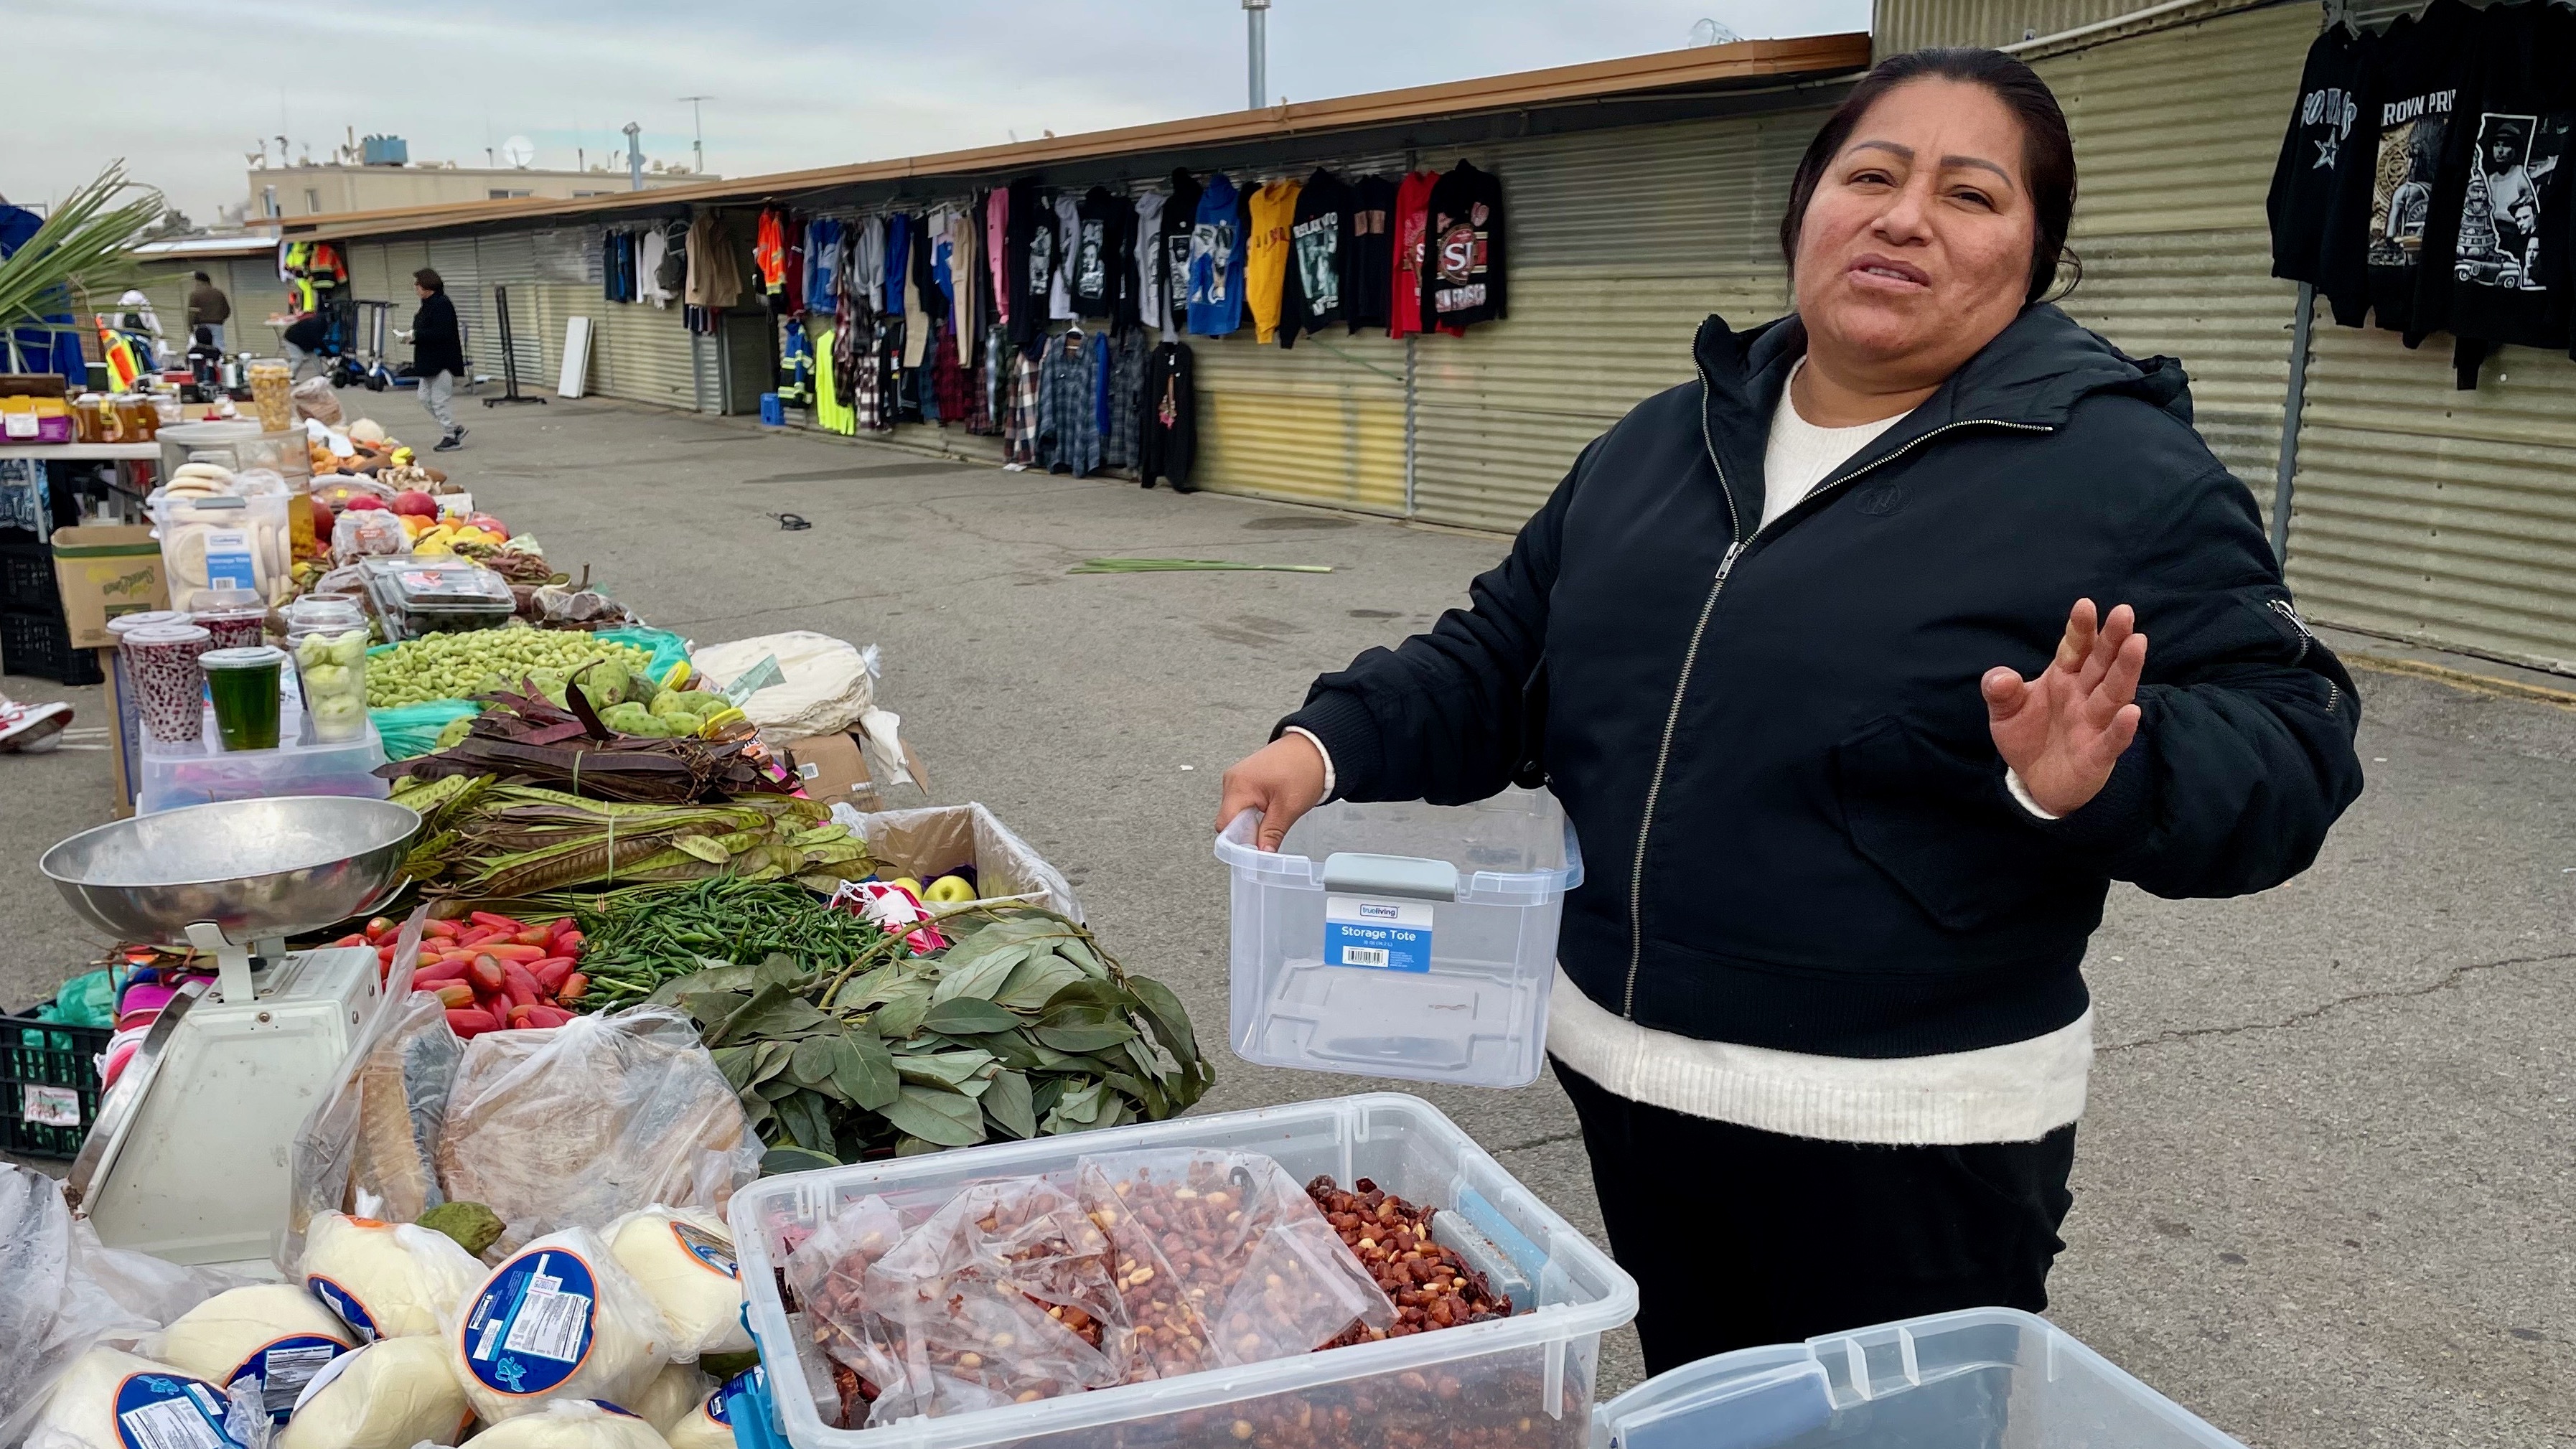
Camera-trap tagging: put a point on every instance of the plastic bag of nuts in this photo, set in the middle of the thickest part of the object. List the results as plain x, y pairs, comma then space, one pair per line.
1432, 1287
1222, 1261
826, 1278
1003, 1296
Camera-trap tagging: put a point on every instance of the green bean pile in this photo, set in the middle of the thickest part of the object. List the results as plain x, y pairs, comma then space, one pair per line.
635, 940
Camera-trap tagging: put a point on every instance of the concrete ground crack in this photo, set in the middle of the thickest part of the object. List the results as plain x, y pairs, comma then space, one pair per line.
2444, 982
1548, 1141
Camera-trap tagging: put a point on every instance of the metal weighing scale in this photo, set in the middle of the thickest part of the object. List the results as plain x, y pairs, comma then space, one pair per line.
188, 1159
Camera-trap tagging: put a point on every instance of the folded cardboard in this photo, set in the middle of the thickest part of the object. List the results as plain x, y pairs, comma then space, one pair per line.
105, 570
833, 769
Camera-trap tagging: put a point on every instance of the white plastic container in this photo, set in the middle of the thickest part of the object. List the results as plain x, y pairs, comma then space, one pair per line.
1523, 1382
1401, 940
1981, 1376
201, 771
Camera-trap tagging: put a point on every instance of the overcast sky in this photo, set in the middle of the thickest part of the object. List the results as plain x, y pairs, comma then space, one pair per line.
796, 83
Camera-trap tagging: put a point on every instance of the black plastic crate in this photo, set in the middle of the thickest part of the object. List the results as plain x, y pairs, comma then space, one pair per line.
48, 1085
41, 645
27, 579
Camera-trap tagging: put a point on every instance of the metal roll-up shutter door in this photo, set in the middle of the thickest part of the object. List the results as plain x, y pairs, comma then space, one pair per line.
403, 261
371, 274
508, 261
1619, 243
642, 353
1322, 422
461, 272
2176, 133
257, 295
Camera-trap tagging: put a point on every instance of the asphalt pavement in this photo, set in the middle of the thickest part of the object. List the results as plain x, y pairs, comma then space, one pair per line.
2323, 1192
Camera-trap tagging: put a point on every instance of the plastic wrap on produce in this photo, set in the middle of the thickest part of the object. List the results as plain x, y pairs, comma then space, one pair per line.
558, 1320
934, 839
580, 1125
1223, 1260
375, 1132
828, 682
684, 1259
827, 1273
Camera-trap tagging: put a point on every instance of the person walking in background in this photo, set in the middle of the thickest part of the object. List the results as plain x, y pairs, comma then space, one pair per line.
304, 339
437, 356
208, 308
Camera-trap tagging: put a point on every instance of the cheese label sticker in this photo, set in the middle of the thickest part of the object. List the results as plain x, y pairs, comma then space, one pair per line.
713, 1253
346, 1304
532, 1327
1376, 934
228, 560
282, 1369
170, 1411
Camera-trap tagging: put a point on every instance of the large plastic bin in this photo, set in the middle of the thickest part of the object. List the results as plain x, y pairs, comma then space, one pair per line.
202, 772
1401, 940
1981, 1378
1524, 1382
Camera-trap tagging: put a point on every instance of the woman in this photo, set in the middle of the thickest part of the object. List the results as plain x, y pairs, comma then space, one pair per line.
1782, 644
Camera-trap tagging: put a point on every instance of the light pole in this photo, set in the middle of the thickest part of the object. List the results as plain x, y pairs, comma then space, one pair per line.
698, 132
1256, 18
634, 157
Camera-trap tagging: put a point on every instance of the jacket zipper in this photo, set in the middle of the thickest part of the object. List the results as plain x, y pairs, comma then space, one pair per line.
2286, 610
1690, 654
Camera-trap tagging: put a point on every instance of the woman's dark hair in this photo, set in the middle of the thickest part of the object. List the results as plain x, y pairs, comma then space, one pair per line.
2047, 152
428, 278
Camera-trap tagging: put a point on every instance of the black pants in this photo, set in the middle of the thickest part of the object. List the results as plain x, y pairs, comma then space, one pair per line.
1740, 1237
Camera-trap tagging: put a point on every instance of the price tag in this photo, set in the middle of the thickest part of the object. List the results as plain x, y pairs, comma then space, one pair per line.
228, 560
1377, 934
49, 1106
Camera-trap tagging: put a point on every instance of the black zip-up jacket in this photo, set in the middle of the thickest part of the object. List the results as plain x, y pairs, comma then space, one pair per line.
1796, 829
436, 346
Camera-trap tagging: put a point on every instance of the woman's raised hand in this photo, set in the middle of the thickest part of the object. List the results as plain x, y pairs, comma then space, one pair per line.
2062, 732
1283, 780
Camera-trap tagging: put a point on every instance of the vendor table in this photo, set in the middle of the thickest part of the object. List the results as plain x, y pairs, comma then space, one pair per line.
83, 452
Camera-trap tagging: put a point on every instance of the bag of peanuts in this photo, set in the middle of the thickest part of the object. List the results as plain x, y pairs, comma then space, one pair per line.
827, 1273
1222, 1260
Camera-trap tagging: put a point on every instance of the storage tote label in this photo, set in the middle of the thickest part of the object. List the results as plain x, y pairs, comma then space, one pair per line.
228, 561
1377, 935
532, 1327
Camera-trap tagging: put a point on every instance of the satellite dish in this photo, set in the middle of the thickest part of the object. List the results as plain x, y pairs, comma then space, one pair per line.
1709, 32
519, 151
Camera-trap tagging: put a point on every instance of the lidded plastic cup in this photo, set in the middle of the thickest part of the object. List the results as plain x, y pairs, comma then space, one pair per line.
329, 639
236, 617
244, 683
323, 614
160, 664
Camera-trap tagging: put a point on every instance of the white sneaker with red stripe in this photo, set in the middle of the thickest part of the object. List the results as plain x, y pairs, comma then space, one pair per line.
31, 729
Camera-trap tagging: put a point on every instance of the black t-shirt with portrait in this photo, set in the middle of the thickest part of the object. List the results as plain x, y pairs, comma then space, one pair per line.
1180, 218
1028, 255
1318, 250
2321, 125
1462, 261
1100, 244
2384, 184
1368, 267
2495, 256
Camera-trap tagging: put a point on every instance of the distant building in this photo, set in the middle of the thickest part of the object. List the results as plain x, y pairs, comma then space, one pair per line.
336, 187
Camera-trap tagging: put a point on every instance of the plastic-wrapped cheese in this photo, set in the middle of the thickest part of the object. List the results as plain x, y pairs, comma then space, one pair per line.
388, 1395
112, 1400
705, 1426
559, 1319
573, 1424
675, 1391
275, 1333
683, 1258
386, 1280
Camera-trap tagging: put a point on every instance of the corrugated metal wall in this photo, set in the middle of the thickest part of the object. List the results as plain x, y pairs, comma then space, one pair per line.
257, 296
2175, 136
1322, 422
1901, 25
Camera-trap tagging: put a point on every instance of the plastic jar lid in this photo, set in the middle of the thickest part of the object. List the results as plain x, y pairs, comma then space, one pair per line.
123, 624
324, 611
148, 635
226, 602
254, 656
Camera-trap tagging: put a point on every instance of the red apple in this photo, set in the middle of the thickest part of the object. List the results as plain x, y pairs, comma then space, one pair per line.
415, 503
362, 502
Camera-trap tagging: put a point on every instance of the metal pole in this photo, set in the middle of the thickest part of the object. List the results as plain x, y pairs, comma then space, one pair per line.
1256, 17
698, 133
634, 157
2291, 408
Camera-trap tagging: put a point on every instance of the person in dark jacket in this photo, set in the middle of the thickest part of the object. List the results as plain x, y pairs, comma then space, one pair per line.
208, 308
437, 356
1809, 649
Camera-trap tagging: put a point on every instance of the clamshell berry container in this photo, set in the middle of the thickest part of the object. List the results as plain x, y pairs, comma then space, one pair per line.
1522, 1382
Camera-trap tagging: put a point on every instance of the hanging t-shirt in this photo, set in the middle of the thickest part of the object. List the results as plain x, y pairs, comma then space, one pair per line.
2495, 259
1412, 221
997, 250
1318, 253
898, 262
868, 264
1216, 261
1031, 244
1068, 233
1180, 224
1368, 263
1098, 239
1148, 258
1462, 260
2383, 198
1272, 208
943, 251
2303, 180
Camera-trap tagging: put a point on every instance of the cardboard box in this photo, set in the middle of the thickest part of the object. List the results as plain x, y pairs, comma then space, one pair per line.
125, 747
105, 570
834, 770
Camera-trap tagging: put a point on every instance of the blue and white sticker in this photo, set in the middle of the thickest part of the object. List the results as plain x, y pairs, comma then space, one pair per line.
1376, 934
282, 1369
713, 1253
170, 1411
228, 560
532, 1327
345, 1303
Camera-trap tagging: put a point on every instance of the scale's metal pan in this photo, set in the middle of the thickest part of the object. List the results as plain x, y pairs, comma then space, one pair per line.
258, 869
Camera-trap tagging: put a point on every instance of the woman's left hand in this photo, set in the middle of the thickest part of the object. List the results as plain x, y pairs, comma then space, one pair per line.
2062, 732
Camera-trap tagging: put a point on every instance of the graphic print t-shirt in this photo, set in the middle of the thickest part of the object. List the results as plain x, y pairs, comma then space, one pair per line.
1462, 260
2382, 205
1147, 230
1216, 261
1180, 223
1412, 220
1068, 232
2303, 181
2495, 258
1368, 265
1265, 274
1100, 236
1318, 252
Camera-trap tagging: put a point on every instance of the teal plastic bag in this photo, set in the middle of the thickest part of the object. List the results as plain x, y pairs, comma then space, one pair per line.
412, 729
668, 648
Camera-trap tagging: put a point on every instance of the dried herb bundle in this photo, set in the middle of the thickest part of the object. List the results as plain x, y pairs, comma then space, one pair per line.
525, 737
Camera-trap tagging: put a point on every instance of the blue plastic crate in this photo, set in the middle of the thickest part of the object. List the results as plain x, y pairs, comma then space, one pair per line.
773, 413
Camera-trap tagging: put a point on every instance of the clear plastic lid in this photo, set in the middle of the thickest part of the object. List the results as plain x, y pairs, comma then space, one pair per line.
413, 583
124, 624
254, 656
226, 603
151, 635
324, 614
